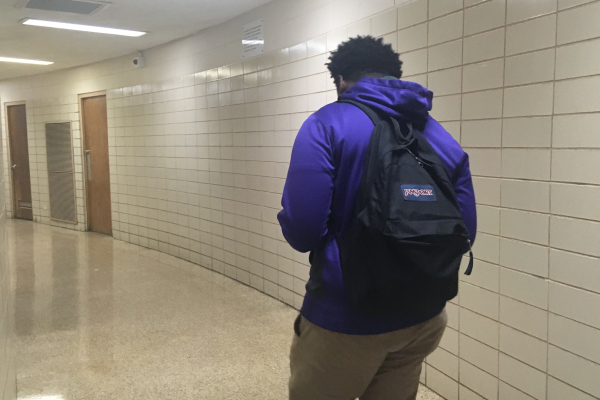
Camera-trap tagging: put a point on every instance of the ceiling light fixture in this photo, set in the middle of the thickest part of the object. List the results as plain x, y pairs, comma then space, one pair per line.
24, 61
84, 28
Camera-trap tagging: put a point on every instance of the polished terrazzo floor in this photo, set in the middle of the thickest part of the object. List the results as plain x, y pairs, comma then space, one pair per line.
101, 319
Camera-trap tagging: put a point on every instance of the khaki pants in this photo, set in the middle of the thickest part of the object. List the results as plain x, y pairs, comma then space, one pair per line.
327, 365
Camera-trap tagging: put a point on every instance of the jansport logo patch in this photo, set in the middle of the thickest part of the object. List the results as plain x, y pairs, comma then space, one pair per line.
418, 193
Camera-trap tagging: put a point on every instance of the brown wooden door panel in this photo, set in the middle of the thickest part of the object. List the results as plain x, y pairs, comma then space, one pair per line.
19, 157
95, 127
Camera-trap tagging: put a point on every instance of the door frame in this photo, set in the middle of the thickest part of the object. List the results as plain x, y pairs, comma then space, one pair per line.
13, 200
80, 98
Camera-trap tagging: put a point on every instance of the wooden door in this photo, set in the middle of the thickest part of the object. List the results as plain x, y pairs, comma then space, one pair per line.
95, 129
19, 161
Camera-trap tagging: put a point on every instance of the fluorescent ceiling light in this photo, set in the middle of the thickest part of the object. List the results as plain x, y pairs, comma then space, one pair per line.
24, 61
85, 28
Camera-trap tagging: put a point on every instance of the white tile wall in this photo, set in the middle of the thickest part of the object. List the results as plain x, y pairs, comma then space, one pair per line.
412, 38
507, 392
487, 190
485, 75
467, 394
488, 279
537, 198
384, 23
530, 67
532, 35
567, 56
529, 289
526, 164
576, 131
567, 301
478, 380
447, 108
527, 132
528, 319
482, 328
479, 355
528, 100
445, 362
559, 390
450, 341
482, 133
412, 12
577, 95
488, 219
484, 17
525, 257
523, 377
444, 82
584, 343
445, 55
484, 46
519, 10
415, 62
574, 370
575, 270
523, 347
579, 24
446, 28
525, 226
441, 383
200, 141
488, 249
575, 235
578, 201
483, 105
441, 7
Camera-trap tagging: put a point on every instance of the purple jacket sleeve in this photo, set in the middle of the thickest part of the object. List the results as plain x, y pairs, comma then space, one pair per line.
309, 187
465, 193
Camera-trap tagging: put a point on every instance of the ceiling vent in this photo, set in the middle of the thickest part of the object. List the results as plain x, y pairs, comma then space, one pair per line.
69, 6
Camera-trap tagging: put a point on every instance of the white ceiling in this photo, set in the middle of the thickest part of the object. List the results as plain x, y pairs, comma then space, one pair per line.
164, 20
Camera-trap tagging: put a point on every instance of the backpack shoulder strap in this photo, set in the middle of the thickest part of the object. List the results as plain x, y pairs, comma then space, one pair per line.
403, 130
373, 116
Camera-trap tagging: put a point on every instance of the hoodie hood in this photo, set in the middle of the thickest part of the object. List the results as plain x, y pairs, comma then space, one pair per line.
400, 99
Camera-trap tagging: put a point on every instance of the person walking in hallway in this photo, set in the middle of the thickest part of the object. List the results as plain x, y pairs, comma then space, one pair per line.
342, 350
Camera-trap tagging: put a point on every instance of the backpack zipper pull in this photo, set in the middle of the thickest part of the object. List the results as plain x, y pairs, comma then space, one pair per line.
417, 158
470, 267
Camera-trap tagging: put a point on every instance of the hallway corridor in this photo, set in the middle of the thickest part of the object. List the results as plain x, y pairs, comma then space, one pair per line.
97, 318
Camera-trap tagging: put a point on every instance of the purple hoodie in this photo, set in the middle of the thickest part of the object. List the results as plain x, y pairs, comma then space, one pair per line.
324, 175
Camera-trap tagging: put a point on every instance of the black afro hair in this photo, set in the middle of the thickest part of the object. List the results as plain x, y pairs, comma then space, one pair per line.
361, 56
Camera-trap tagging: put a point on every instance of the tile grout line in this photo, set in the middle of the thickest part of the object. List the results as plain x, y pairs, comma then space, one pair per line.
501, 173
427, 74
550, 202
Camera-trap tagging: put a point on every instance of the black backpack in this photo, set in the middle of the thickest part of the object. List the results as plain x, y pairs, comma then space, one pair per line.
402, 253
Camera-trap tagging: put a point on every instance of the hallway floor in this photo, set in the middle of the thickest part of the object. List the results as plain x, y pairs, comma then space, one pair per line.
101, 319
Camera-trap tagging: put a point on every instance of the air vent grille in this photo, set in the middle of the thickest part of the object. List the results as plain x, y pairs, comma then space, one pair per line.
60, 172
69, 6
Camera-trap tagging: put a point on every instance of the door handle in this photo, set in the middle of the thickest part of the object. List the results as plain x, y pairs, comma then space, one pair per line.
88, 164
14, 167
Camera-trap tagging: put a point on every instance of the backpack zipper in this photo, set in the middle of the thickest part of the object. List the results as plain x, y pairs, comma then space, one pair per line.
419, 160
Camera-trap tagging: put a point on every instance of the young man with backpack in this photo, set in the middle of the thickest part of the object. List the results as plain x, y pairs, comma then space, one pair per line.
382, 197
